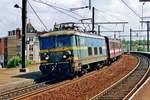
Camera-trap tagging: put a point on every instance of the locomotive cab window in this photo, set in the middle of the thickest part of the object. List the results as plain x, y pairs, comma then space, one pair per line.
100, 50
56, 41
95, 51
89, 51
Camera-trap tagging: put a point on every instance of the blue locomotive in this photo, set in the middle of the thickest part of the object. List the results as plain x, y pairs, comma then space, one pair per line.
68, 51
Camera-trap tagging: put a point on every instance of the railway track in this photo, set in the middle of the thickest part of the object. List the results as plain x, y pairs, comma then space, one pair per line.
12, 93
125, 87
35, 89
35, 86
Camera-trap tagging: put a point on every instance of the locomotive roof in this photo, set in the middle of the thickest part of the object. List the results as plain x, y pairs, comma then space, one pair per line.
57, 33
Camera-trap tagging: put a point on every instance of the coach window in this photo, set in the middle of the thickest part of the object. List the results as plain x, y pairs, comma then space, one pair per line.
100, 50
89, 51
95, 51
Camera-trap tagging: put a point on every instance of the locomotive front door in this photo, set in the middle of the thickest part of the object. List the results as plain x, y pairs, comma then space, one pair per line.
78, 46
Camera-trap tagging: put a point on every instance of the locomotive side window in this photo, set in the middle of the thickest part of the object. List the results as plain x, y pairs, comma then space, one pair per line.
95, 51
89, 51
100, 50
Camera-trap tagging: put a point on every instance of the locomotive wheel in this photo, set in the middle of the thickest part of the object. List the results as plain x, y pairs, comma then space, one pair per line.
81, 72
73, 73
98, 67
86, 70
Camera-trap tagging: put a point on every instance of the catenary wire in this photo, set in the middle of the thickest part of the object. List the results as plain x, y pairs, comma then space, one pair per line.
131, 9
37, 15
56, 9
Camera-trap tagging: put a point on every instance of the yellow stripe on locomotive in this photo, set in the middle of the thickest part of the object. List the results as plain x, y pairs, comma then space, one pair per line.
64, 49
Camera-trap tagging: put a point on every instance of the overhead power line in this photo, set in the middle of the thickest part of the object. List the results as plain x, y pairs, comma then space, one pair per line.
59, 9
56, 9
131, 9
69, 11
96, 23
109, 15
103, 17
65, 10
37, 15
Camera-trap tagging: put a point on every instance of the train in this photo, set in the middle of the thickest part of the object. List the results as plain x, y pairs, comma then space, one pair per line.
69, 51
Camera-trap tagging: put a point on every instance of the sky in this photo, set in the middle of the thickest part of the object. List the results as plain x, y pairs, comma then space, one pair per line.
106, 11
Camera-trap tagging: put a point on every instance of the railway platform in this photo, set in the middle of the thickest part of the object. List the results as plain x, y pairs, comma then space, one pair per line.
12, 79
143, 93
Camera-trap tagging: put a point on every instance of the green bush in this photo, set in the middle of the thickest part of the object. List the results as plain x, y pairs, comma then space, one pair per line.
28, 62
14, 62
140, 49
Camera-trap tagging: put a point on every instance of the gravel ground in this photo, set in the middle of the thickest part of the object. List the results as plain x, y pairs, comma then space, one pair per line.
91, 84
11, 78
7, 75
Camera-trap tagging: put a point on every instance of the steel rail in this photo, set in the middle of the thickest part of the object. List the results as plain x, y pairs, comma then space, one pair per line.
138, 85
49, 87
38, 91
12, 93
109, 89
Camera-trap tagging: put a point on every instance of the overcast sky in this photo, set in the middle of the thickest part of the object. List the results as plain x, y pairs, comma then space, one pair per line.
108, 10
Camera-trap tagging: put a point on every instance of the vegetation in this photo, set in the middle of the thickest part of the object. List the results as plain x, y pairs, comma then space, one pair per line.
28, 62
16, 61
137, 45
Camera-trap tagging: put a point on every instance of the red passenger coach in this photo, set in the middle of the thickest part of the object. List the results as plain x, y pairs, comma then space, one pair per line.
114, 48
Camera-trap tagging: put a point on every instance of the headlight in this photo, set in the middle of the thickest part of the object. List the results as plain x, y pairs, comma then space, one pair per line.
47, 57
64, 56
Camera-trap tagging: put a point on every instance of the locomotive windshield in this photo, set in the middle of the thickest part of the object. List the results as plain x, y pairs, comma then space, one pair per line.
55, 42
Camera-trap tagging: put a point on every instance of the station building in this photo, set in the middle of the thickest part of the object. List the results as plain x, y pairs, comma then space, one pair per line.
12, 45
32, 44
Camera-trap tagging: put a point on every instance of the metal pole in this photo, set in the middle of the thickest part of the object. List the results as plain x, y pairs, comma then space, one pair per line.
99, 29
114, 35
89, 4
24, 11
142, 13
148, 36
130, 40
93, 18
119, 35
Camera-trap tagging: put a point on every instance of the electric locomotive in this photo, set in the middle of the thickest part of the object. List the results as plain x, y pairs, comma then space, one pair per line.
68, 51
